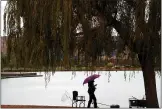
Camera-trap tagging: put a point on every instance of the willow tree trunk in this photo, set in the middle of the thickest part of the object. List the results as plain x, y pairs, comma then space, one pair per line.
149, 81
145, 59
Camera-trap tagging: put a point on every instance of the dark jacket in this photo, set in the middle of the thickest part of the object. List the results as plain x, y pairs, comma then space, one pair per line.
91, 88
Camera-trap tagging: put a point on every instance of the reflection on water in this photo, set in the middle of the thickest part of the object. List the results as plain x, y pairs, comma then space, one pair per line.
56, 89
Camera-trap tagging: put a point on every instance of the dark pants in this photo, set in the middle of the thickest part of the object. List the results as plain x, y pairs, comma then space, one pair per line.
92, 97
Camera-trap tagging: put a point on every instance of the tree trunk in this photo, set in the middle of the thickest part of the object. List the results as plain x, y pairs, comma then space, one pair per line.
149, 81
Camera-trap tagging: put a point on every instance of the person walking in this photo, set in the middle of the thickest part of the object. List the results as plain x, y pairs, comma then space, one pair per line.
91, 90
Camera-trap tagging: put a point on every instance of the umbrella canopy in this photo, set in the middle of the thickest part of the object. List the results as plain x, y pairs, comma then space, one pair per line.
91, 78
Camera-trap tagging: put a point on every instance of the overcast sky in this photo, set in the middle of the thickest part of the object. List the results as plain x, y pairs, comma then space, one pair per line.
3, 4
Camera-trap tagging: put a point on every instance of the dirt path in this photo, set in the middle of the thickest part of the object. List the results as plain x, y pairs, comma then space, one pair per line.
32, 106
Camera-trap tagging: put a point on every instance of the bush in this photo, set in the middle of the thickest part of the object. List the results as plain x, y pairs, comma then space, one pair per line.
110, 64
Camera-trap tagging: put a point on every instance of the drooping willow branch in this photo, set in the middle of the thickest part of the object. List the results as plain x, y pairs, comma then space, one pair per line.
49, 38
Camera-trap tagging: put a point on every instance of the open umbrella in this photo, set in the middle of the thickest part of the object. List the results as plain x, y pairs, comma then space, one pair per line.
91, 78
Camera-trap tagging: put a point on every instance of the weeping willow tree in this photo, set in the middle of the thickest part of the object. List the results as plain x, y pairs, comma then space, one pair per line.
55, 32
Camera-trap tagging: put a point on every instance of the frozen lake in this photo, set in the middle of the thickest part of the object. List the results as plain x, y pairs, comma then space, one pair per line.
113, 90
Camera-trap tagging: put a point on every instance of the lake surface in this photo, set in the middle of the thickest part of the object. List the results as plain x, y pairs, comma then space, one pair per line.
113, 90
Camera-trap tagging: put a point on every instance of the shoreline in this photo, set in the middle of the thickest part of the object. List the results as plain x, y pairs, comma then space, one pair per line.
81, 69
31, 72
100, 69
